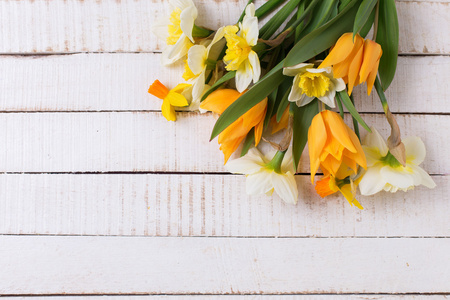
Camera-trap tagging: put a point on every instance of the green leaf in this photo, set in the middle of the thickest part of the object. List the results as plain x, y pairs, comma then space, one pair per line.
215, 86
363, 14
284, 102
253, 96
267, 7
366, 28
249, 140
387, 37
271, 102
343, 96
320, 15
302, 120
323, 37
277, 20
343, 4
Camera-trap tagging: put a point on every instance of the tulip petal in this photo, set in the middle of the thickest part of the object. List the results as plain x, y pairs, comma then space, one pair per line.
372, 181
372, 54
415, 150
317, 137
219, 100
285, 186
353, 71
340, 51
339, 130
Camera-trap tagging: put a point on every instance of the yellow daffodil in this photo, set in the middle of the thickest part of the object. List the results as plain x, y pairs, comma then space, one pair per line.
177, 30
342, 182
170, 98
234, 135
332, 143
355, 60
197, 62
386, 173
310, 83
266, 174
239, 54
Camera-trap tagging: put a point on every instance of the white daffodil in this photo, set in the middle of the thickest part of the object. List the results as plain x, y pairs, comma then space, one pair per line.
239, 54
384, 172
267, 174
177, 30
199, 57
310, 83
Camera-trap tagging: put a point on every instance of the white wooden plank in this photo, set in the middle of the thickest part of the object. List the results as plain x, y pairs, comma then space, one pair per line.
241, 297
208, 205
108, 26
128, 142
99, 265
99, 82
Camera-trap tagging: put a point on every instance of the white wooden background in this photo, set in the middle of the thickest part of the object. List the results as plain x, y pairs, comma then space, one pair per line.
99, 195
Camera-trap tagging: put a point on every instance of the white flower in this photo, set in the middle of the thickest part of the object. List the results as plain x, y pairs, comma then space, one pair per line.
197, 62
177, 30
310, 83
239, 54
262, 179
384, 172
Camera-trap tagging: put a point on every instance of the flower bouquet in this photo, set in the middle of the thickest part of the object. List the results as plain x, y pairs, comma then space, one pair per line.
286, 83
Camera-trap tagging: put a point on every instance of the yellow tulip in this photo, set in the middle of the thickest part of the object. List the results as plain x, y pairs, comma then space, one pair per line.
170, 98
355, 60
333, 144
233, 135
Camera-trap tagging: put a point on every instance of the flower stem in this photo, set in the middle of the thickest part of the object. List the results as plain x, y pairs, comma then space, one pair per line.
355, 122
277, 160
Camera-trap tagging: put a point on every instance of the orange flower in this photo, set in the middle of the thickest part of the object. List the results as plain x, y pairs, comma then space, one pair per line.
333, 144
342, 182
233, 135
356, 61
283, 124
171, 98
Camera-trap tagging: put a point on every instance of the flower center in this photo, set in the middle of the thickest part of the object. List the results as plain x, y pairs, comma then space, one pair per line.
390, 160
237, 48
174, 29
188, 74
314, 84
326, 186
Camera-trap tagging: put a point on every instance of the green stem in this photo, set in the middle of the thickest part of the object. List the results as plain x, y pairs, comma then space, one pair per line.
201, 32
382, 96
277, 160
355, 122
341, 109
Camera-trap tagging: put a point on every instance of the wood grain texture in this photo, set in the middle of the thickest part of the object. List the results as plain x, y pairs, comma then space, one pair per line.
239, 297
116, 82
99, 265
124, 26
208, 205
129, 142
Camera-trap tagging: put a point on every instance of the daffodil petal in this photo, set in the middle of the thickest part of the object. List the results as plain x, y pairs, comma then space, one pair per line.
168, 111
288, 163
187, 18
173, 53
244, 76
249, 26
255, 65
297, 69
251, 163
258, 183
372, 182
285, 186
199, 86
176, 99
374, 139
415, 150
328, 99
397, 177
425, 178
197, 56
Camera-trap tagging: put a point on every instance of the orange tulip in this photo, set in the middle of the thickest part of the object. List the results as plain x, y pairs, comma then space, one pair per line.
332, 145
283, 124
354, 60
233, 135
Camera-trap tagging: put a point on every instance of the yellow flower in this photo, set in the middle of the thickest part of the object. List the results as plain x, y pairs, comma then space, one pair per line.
170, 98
310, 83
354, 61
239, 54
197, 62
386, 173
233, 135
333, 144
330, 184
177, 30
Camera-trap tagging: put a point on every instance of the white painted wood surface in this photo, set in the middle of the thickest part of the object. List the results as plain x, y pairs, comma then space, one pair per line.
222, 265
241, 297
165, 219
118, 82
123, 26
